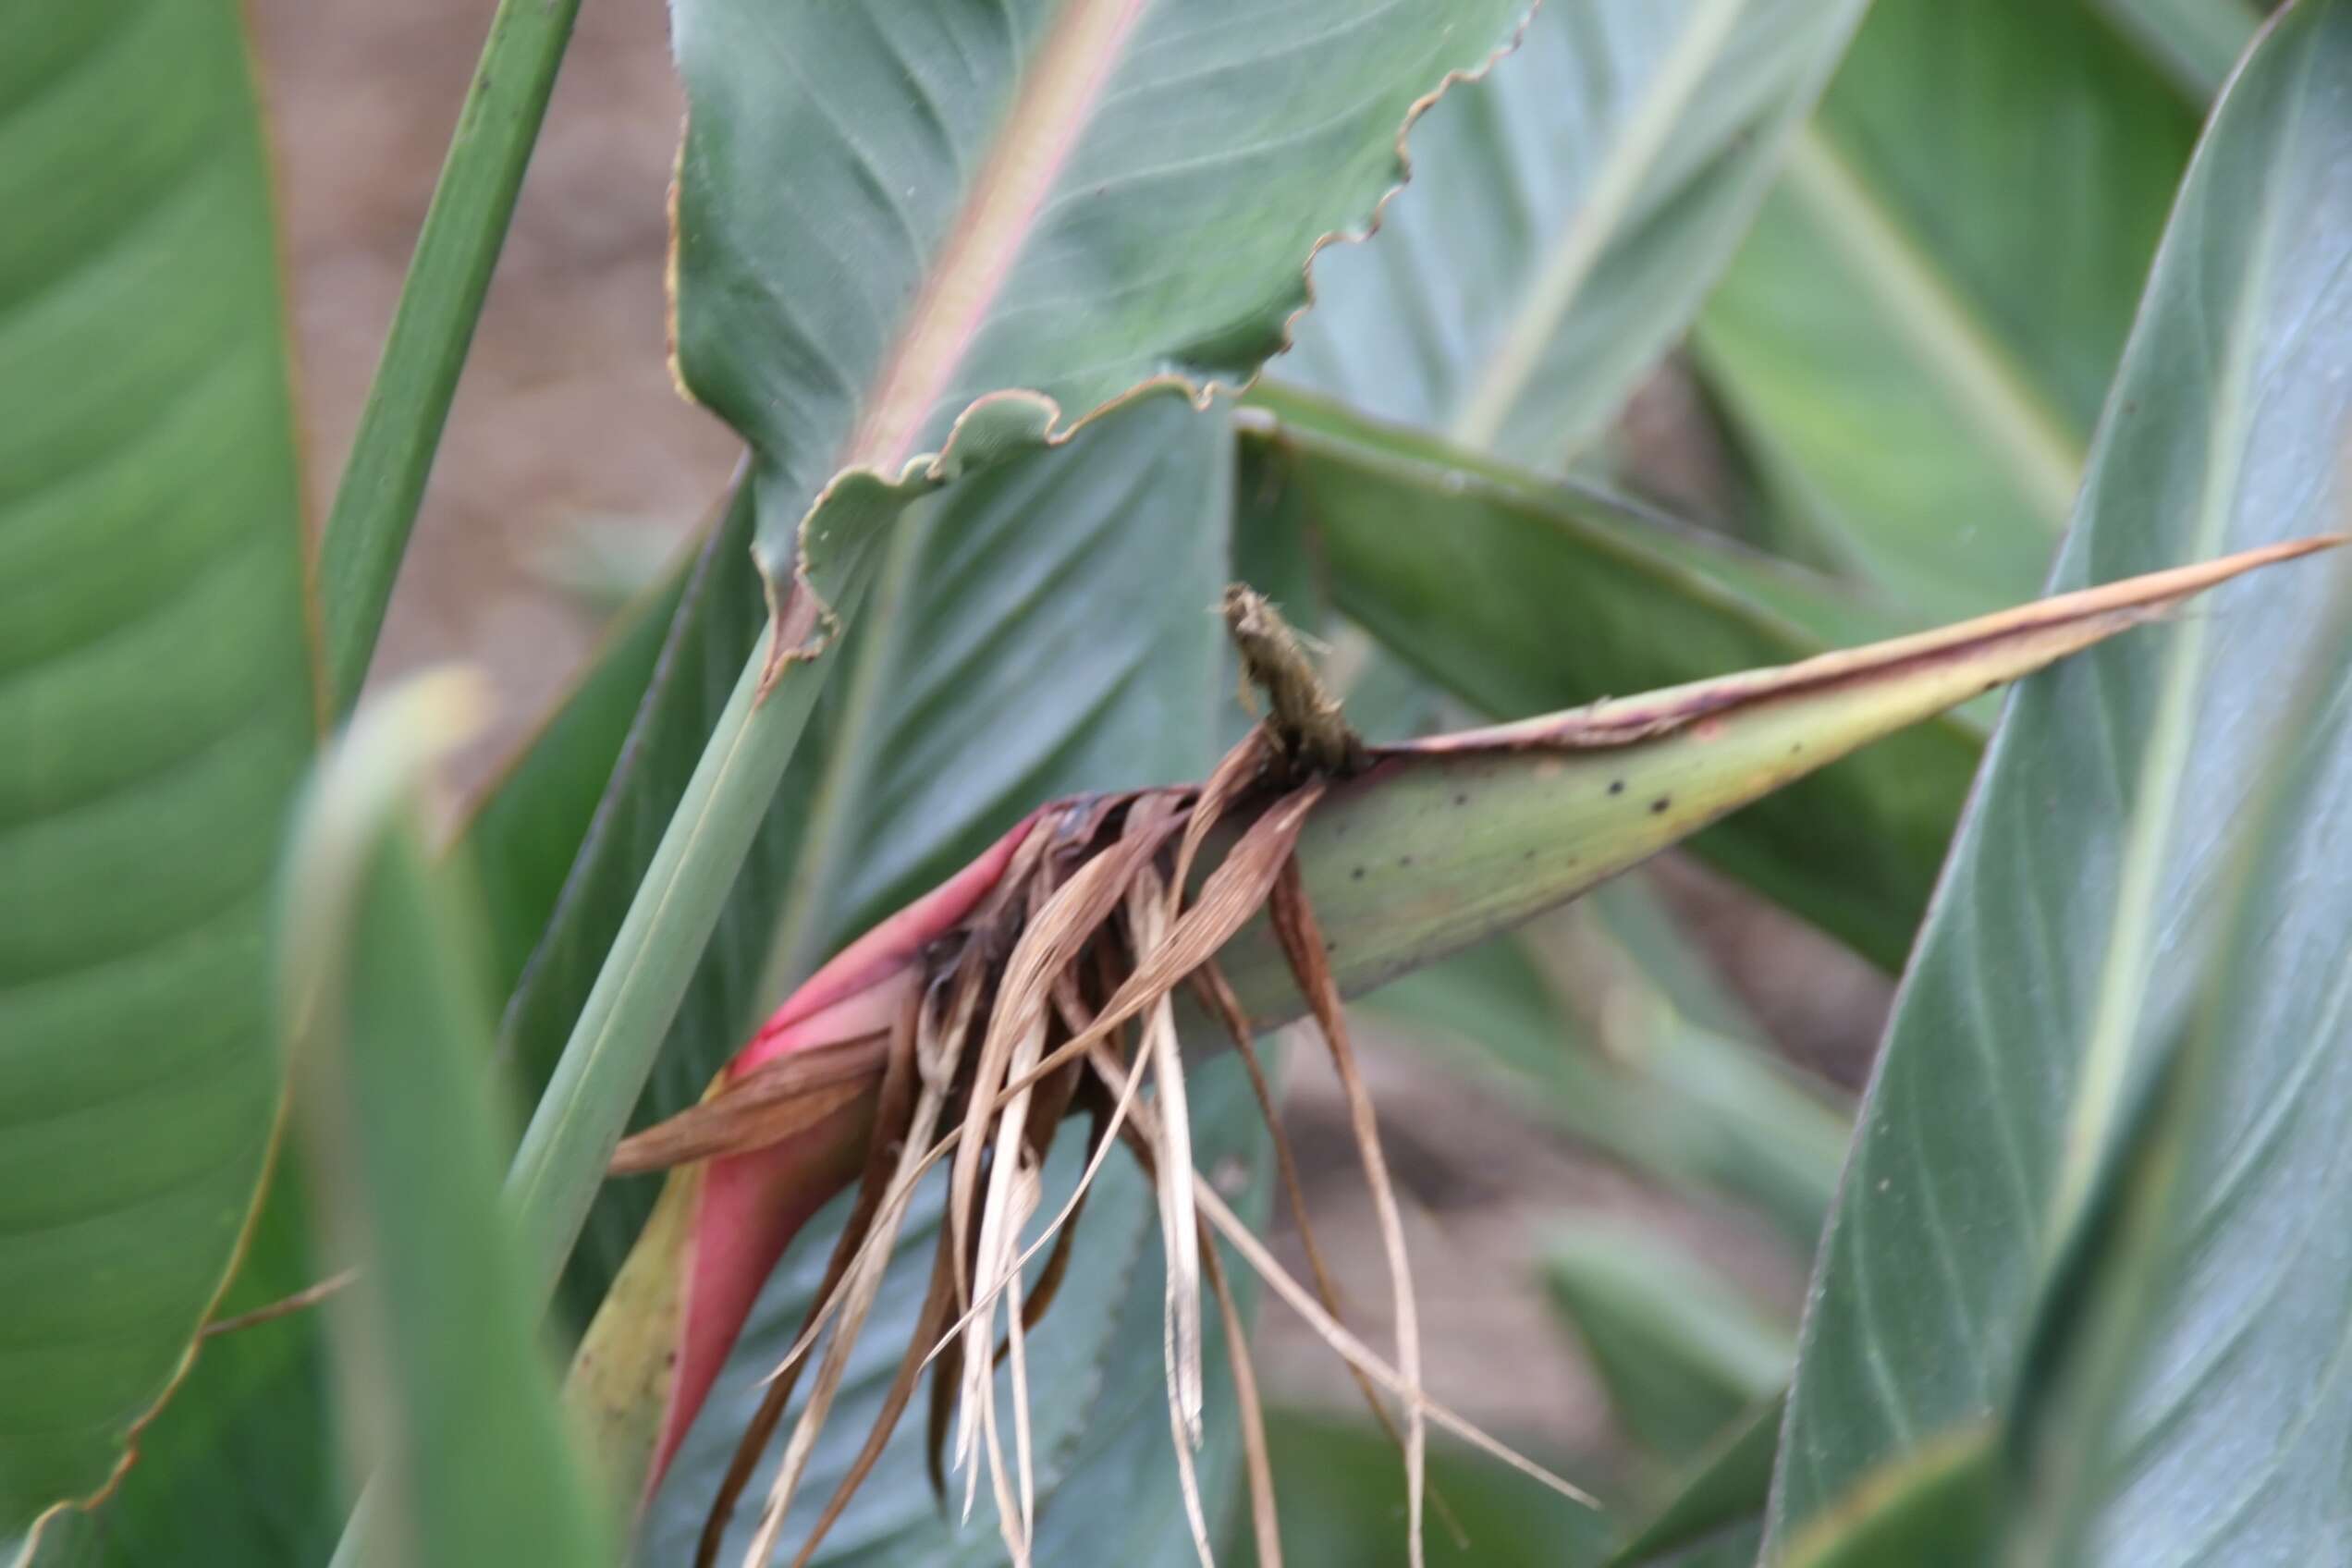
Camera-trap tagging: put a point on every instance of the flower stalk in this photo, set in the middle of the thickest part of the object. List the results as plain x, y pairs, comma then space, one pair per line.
1039, 985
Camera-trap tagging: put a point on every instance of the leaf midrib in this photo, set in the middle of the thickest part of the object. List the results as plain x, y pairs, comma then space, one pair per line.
2037, 447
1521, 344
1064, 79
2118, 1004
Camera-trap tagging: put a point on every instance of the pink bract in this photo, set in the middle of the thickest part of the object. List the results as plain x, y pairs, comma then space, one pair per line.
754, 1203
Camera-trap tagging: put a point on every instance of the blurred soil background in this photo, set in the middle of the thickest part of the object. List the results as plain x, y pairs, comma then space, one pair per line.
571, 465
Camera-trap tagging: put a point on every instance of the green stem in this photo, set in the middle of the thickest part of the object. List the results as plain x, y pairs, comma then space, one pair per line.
637, 993
677, 906
580, 1117
375, 504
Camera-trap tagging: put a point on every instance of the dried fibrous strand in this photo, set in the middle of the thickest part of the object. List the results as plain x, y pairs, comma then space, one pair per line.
1022, 1019
1295, 928
769, 1105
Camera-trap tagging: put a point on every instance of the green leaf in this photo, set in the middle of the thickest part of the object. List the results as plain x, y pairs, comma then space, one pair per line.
1343, 1496
2102, 1405
1523, 597
1916, 340
1074, 201
1682, 1351
383, 483
444, 1387
531, 837
1716, 1518
243, 1457
2193, 42
1565, 216
2069, 935
530, 823
1940, 1507
156, 688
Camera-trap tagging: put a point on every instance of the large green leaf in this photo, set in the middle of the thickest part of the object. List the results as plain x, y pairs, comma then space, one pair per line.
1522, 596
1916, 340
1063, 203
2178, 1294
242, 1460
2067, 937
155, 690
1565, 216
444, 1385
243, 1457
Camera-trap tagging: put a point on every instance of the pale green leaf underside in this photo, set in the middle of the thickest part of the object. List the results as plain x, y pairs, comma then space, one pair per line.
2069, 927
1565, 218
2200, 1279
155, 690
